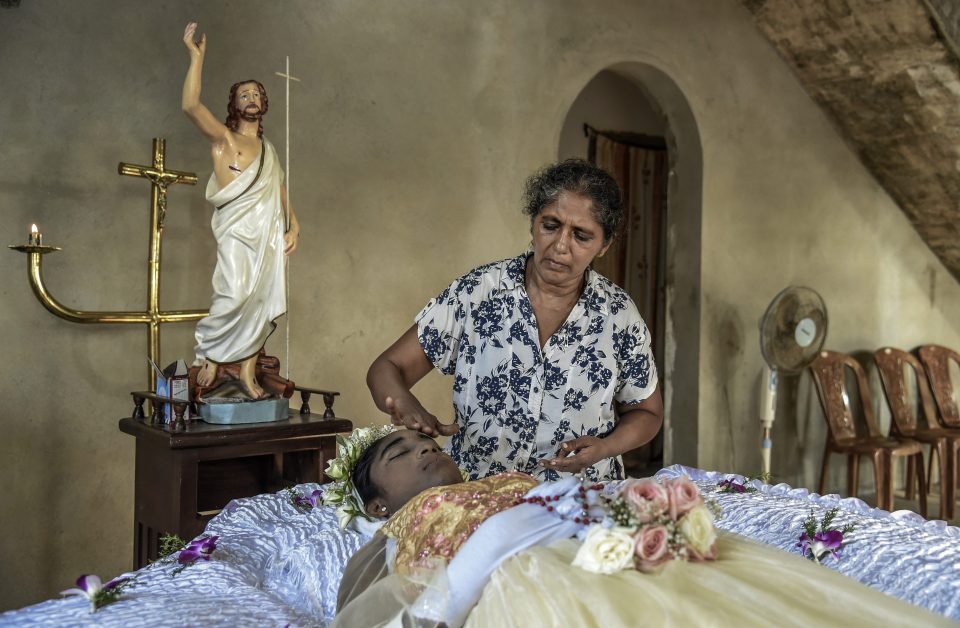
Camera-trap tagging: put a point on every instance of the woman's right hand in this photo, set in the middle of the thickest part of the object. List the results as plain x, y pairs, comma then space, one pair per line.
408, 412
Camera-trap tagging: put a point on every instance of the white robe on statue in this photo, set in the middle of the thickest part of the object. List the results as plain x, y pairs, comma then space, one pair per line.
249, 292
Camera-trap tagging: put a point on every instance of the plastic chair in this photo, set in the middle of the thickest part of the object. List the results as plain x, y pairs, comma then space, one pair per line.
829, 370
936, 361
944, 442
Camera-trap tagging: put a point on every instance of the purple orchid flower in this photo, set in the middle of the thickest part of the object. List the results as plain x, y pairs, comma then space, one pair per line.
309, 501
91, 587
823, 543
199, 549
731, 486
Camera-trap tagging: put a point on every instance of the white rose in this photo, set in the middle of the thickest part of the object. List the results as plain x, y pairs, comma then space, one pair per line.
336, 469
605, 550
344, 516
334, 494
697, 530
348, 449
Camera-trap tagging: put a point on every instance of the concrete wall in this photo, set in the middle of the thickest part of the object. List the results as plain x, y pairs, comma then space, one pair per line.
416, 123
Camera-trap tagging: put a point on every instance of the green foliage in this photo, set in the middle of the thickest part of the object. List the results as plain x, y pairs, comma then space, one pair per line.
827, 523
828, 518
810, 525
109, 596
170, 543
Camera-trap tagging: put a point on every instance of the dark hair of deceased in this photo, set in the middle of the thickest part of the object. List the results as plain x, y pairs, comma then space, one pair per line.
580, 177
366, 489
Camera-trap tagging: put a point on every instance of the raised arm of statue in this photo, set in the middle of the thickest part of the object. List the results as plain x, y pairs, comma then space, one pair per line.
213, 129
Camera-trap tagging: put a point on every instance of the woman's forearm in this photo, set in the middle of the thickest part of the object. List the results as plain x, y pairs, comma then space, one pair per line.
634, 429
385, 379
393, 374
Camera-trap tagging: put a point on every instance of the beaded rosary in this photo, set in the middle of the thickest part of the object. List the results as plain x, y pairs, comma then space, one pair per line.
584, 517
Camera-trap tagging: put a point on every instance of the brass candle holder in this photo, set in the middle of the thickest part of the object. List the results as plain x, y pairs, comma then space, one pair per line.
160, 178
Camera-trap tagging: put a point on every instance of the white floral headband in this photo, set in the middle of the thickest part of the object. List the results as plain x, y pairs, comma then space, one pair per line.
341, 493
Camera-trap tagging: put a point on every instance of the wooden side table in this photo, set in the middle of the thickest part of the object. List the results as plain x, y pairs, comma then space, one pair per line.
185, 476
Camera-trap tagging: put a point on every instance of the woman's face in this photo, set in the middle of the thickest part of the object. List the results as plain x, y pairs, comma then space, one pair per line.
407, 463
566, 238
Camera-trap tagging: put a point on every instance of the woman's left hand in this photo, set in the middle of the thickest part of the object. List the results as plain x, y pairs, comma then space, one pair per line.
586, 451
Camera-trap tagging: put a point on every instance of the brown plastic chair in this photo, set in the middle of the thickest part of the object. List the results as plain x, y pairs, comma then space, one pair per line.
936, 361
944, 442
829, 370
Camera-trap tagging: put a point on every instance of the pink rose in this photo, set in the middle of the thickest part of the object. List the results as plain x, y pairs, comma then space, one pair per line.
684, 496
651, 548
647, 497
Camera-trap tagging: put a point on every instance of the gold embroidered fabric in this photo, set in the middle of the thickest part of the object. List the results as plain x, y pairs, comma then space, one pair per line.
438, 521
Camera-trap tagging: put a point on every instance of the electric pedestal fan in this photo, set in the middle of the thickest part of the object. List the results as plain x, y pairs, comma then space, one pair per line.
792, 332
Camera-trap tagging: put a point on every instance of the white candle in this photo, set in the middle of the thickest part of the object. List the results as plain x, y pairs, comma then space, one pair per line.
36, 238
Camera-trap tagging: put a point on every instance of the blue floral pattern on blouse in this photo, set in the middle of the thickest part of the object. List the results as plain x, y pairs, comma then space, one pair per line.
516, 404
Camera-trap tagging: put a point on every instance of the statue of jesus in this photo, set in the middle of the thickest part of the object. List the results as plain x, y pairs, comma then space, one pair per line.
253, 223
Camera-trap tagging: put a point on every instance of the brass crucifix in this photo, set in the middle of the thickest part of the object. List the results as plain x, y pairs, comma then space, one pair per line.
160, 179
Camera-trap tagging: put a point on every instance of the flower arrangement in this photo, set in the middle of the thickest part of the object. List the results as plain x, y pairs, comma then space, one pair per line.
816, 544
648, 524
198, 549
341, 493
187, 553
731, 485
98, 594
306, 503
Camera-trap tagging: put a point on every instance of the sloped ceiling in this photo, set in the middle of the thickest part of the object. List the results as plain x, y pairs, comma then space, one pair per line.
888, 73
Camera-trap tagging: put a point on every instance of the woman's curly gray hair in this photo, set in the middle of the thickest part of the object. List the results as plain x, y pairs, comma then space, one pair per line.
580, 177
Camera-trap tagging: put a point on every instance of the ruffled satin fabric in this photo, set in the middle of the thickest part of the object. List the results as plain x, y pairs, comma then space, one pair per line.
748, 585
277, 565
249, 291
899, 553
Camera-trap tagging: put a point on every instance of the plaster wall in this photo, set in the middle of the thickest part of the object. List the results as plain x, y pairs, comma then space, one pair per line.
609, 102
415, 125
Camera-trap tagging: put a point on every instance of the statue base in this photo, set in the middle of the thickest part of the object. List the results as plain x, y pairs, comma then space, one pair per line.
267, 374
236, 413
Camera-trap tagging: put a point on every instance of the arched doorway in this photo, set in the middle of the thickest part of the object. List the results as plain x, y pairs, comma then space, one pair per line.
633, 119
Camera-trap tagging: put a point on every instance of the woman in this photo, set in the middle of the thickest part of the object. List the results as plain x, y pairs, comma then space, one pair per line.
552, 364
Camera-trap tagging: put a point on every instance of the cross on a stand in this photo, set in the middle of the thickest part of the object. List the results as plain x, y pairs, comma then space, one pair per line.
160, 179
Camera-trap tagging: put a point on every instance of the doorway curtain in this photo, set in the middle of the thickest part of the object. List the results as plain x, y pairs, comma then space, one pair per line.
635, 260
